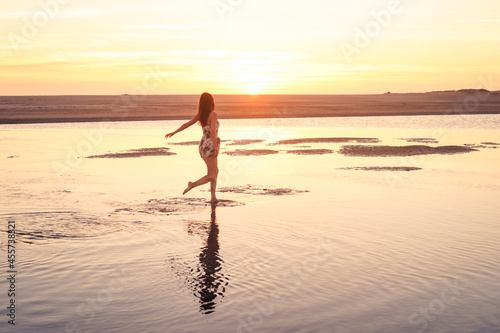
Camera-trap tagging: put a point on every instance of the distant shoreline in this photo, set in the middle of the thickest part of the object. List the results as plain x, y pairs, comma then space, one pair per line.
99, 108
90, 120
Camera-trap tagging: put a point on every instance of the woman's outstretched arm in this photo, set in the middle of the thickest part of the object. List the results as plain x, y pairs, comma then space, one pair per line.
183, 126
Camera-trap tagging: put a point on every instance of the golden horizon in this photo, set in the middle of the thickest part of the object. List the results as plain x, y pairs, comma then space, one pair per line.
59, 48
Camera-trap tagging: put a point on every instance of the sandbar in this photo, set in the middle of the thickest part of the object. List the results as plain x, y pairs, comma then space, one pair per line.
106, 108
133, 153
324, 140
261, 190
310, 151
374, 151
420, 140
378, 168
244, 142
251, 152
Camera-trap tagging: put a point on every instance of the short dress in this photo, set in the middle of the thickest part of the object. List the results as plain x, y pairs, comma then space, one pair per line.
206, 147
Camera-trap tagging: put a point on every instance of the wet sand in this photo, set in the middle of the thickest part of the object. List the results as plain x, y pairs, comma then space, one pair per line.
251, 152
352, 150
134, 153
325, 140
310, 151
261, 190
175, 205
43, 109
245, 142
361, 149
487, 145
420, 140
382, 168
402, 150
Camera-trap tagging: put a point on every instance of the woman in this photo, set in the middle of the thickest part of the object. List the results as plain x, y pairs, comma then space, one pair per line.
209, 144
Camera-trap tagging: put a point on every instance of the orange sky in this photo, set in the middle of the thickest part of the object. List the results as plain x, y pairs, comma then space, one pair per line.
251, 46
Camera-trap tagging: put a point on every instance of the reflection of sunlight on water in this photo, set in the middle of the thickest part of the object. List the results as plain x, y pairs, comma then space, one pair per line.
268, 133
395, 246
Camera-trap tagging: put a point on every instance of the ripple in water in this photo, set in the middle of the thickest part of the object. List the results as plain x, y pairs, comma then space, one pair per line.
170, 206
204, 276
261, 190
44, 226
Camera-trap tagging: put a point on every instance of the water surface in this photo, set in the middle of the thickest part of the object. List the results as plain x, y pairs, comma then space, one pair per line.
302, 243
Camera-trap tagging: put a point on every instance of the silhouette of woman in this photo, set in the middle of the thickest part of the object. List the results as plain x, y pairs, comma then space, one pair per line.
209, 144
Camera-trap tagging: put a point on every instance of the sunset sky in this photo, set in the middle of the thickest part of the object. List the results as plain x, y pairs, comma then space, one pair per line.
246, 46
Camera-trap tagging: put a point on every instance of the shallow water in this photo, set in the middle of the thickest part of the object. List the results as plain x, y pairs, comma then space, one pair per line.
302, 243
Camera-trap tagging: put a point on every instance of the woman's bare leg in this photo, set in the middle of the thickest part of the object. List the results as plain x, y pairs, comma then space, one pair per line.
211, 176
213, 181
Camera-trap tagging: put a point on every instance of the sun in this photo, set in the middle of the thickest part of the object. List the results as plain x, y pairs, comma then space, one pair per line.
253, 88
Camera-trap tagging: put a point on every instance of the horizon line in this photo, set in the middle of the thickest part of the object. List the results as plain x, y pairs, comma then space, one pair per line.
296, 94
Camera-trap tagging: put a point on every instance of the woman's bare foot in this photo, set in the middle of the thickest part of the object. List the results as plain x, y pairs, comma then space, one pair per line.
190, 186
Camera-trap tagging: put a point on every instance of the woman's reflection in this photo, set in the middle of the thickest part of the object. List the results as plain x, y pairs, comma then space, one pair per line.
207, 280
212, 283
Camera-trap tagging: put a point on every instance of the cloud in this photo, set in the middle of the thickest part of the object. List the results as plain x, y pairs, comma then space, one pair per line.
168, 27
422, 27
480, 20
133, 36
61, 15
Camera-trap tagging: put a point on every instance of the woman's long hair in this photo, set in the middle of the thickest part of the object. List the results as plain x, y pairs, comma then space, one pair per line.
205, 106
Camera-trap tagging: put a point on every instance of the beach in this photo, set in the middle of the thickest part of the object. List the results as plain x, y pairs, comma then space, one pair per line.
326, 224
355, 190
40, 109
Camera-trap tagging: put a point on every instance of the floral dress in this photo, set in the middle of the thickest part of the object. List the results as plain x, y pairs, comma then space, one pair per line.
206, 146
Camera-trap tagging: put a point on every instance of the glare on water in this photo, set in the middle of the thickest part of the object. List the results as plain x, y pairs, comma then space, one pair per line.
320, 242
